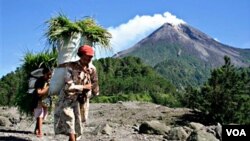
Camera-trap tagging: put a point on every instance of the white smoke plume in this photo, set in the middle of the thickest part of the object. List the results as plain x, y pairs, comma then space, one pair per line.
127, 34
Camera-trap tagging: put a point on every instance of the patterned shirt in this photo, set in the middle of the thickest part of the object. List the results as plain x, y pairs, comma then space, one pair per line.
68, 117
76, 74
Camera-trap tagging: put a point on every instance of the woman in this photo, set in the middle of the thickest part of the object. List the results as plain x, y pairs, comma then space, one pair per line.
80, 82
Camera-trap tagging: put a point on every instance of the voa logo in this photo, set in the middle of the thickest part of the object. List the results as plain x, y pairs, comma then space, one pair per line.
236, 132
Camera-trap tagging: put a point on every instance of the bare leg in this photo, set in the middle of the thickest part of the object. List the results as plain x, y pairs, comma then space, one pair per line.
36, 128
72, 137
45, 113
86, 111
39, 128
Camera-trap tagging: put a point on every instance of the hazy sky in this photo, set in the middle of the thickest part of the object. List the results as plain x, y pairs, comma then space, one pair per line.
22, 22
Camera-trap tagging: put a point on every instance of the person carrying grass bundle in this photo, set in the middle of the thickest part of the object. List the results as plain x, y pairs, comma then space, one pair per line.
41, 91
81, 81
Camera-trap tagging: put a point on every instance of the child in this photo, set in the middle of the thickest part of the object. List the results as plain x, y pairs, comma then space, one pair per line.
41, 90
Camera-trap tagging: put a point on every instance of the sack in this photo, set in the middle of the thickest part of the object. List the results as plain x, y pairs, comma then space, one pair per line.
57, 81
67, 52
34, 75
67, 48
47, 101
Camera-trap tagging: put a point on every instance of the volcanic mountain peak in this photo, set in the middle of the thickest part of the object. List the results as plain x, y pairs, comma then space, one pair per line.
190, 41
184, 54
173, 20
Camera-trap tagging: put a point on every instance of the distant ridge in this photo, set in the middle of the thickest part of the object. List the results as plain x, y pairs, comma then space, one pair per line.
189, 51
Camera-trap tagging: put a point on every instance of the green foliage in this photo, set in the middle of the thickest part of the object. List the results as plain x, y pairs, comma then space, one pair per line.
94, 32
181, 74
22, 99
129, 75
173, 63
32, 62
165, 99
191, 98
128, 79
225, 96
123, 97
155, 53
62, 27
9, 87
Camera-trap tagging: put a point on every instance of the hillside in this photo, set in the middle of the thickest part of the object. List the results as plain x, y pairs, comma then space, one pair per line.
129, 79
126, 79
194, 51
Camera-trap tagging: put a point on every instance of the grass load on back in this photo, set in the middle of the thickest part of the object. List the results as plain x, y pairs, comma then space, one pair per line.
67, 37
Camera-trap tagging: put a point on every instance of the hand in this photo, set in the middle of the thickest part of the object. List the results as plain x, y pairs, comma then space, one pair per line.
87, 86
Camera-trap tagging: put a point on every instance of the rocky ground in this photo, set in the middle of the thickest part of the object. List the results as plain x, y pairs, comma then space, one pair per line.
123, 121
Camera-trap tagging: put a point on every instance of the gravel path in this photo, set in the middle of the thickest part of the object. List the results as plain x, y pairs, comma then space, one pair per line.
107, 122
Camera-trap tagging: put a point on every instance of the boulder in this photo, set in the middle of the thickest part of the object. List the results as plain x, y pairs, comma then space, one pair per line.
201, 135
4, 121
177, 133
153, 127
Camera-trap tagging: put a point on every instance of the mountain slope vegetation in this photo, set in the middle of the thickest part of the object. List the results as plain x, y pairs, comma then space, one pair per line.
184, 55
126, 79
129, 79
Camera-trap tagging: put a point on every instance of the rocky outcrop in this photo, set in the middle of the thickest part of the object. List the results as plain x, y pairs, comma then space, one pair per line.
123, 121
192, 132
153, 127
4, 121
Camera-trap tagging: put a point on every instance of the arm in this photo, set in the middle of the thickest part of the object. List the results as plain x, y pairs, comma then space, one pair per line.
43, 91
73, 87
41, 87
94, 82
70, 86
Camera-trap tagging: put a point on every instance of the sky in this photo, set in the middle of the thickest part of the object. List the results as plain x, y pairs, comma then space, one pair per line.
22, 22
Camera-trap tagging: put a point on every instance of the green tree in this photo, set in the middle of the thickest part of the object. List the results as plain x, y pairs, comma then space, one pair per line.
9, 85
129, 79
225, 96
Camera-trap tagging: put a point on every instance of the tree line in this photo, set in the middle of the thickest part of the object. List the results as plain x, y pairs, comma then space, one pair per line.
224, 97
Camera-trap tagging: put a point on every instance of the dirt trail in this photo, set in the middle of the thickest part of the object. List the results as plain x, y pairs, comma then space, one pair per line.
120, 120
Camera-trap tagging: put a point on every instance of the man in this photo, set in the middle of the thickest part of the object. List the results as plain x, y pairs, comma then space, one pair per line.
41, 90
81, 81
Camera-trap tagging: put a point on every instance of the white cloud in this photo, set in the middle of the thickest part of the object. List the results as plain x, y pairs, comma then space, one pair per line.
127, 34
